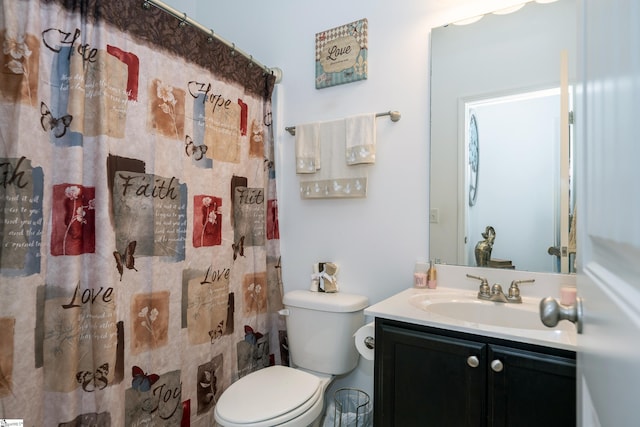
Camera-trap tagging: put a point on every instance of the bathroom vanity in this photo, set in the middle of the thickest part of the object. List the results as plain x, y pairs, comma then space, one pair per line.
445, 358
432, 376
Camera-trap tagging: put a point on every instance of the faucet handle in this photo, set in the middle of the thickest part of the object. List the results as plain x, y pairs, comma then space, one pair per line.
484, 291
514, 290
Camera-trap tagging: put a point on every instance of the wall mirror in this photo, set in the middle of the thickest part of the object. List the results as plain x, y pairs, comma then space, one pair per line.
501, 151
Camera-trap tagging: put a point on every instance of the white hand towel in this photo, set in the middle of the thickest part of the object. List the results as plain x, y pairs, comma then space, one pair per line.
308, 148
336, 179
361, 139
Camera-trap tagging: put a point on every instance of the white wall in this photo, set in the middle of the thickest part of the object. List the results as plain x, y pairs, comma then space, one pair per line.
374, 240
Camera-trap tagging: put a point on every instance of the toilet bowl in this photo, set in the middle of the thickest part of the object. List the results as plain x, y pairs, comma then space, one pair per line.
273, 396
320, 329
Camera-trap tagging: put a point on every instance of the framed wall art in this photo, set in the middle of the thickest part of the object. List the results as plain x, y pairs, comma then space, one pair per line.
341, 54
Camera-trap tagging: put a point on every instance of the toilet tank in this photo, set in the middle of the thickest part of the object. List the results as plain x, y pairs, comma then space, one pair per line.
320, 329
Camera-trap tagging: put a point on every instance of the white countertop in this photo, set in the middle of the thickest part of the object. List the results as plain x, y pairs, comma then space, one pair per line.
398, 307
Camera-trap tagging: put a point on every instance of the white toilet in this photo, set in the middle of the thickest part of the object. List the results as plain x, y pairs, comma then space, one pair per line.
320, 329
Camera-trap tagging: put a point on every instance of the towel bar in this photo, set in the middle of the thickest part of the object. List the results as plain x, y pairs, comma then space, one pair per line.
395, 116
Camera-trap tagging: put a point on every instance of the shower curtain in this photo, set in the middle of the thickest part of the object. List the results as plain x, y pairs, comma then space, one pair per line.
139, 243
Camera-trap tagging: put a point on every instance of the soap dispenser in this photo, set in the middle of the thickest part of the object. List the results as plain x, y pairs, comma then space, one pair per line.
432, 276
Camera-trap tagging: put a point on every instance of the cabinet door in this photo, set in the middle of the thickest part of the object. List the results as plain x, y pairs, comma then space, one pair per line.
422, 379
531, 389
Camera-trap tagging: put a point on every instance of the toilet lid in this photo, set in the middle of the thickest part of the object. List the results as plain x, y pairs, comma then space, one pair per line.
267, 394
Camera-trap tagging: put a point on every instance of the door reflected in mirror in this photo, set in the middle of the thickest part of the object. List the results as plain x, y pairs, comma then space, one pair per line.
515, 187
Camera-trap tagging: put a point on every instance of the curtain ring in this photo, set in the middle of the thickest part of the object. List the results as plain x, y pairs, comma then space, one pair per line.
233, 49
183, 23
145, 4
211, 37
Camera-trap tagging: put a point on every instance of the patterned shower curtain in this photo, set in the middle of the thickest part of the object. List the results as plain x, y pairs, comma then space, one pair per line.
139, 243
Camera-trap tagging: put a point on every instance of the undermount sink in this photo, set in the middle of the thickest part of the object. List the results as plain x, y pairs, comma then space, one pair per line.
505, 315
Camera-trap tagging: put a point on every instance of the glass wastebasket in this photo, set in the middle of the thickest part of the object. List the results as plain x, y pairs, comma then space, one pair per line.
352, 408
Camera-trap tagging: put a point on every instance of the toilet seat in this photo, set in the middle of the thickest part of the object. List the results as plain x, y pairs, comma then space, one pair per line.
268, 397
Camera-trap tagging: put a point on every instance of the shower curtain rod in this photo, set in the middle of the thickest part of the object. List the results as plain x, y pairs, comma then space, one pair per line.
395, 116
277, 72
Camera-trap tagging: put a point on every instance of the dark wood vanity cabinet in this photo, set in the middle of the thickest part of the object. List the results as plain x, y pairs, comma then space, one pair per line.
434, 377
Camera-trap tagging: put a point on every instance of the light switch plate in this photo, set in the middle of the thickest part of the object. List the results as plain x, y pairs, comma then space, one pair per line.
434, 215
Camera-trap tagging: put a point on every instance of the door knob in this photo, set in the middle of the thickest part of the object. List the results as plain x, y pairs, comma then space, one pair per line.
557, 251
551, 312
497, 365
473, 361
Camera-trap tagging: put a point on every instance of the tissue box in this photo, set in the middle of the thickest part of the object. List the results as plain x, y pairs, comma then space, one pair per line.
324, 277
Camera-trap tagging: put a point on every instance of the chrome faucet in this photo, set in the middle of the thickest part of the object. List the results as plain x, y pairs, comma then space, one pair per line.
495, 293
